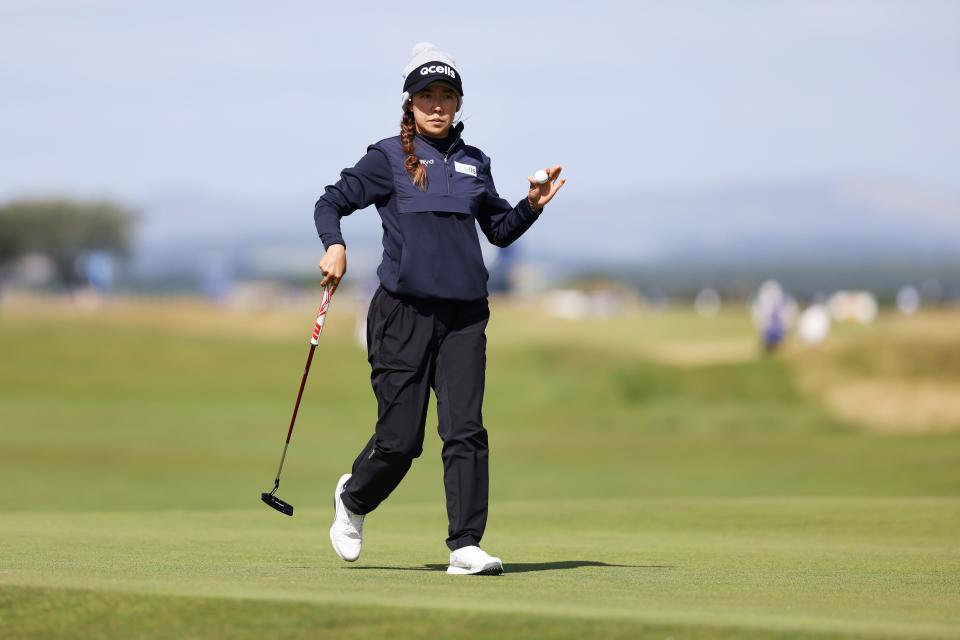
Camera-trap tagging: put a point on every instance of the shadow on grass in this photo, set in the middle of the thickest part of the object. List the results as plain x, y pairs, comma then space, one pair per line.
525, 567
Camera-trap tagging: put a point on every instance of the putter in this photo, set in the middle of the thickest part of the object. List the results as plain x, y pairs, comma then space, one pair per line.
271, 498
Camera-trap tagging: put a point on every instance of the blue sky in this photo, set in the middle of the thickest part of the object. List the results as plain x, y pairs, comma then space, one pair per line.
271, 100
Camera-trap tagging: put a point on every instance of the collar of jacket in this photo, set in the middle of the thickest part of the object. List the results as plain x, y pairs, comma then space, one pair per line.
452, 136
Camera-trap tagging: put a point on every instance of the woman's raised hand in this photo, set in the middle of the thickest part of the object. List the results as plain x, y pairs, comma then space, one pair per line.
541, 194
333, 265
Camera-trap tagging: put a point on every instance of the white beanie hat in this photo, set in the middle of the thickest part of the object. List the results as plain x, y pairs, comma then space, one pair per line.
430, 64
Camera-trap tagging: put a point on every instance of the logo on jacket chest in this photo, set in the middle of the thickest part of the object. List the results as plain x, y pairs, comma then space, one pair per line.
468, 169
459, 167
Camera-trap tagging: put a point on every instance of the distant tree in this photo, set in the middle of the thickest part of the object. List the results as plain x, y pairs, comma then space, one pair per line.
63, 230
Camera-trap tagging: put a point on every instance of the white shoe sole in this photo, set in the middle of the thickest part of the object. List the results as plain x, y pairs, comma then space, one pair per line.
333, 541
489, 569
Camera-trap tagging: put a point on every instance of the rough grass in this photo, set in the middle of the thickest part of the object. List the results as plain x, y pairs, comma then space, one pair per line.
901, 375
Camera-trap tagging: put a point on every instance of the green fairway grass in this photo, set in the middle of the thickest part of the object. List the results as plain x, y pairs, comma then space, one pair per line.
651, 477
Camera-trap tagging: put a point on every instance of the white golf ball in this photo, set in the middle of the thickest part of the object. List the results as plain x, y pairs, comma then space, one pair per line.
541, 176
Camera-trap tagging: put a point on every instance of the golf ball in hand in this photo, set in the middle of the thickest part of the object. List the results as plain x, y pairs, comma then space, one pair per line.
541, 176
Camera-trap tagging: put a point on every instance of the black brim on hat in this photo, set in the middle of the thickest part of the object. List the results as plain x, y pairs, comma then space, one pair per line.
431, 72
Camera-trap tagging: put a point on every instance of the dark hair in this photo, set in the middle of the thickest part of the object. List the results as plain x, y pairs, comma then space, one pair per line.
418, 172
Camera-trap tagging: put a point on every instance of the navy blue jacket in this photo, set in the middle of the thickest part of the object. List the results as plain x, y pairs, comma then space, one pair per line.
430, 244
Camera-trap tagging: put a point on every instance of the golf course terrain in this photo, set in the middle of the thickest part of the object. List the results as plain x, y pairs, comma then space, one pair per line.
652, 476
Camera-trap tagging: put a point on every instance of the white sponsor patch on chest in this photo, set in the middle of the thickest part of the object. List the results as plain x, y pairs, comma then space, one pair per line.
465, 168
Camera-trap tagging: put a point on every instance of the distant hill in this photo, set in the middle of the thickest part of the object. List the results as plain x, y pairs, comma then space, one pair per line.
814, 223
795, 222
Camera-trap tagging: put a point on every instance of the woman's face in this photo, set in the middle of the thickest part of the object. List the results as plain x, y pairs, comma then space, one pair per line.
433, 109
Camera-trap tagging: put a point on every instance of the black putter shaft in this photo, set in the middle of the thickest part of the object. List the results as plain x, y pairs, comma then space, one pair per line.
270, 498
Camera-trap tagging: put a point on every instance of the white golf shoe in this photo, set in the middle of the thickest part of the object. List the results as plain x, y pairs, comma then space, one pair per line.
346, 532
473, 561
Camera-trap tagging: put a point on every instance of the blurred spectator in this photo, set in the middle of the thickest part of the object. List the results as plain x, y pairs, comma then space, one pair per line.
707, 303
814, 324
853, 306
908, 300
773, 312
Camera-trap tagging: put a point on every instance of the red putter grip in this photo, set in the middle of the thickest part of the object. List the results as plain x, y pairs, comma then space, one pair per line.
321, 315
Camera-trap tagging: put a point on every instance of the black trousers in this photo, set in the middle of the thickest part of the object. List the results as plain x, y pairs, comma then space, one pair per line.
414, 345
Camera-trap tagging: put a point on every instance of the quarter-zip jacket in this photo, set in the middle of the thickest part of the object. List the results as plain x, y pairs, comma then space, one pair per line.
431, 248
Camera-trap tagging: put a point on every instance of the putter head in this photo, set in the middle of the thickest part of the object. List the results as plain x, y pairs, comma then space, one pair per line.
276, 503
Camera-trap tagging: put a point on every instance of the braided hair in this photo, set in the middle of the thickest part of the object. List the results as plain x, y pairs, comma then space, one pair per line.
418, 172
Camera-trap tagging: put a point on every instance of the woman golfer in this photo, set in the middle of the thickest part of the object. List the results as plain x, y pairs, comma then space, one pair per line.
426, 321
